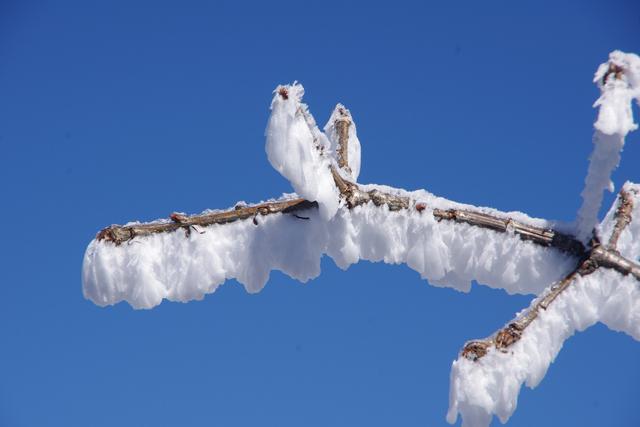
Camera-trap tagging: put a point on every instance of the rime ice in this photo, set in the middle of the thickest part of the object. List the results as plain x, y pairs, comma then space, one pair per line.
353, 143
619, 83
179, 268
491, 385
295, 149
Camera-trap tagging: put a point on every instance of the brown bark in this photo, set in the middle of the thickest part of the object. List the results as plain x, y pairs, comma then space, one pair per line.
353, 196
622, 217
342, 125
119, 234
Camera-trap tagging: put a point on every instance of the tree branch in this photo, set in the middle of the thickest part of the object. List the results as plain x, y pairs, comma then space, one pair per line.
342, 124
598, 256
622, 217
354, 196
119, 234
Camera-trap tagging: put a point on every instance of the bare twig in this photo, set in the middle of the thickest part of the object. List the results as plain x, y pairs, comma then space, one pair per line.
119, 234
342, 124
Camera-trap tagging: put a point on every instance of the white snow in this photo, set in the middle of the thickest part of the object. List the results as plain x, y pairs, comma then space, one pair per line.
491, 385
619, 83
293, 150
340, 112
179, 268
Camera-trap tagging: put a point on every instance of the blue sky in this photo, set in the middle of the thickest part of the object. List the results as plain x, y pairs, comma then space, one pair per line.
117, 111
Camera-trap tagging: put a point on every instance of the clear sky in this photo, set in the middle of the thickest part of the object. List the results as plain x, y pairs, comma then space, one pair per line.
129, 110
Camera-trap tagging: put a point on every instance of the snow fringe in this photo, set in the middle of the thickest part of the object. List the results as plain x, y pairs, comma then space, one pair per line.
619, 83
182, 268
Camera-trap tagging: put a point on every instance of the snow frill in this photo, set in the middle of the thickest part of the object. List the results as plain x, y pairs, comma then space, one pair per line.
619, 83
176, 267
295, 148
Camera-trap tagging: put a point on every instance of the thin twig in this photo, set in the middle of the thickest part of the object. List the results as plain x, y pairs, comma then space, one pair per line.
622, 217
119, 234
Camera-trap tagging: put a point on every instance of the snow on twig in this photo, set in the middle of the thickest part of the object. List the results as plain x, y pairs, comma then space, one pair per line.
619, 83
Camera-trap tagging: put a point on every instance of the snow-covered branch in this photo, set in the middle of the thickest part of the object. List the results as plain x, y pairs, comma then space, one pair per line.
480, 389
619, 83
579, 279
605, 256
604, 286
449, 244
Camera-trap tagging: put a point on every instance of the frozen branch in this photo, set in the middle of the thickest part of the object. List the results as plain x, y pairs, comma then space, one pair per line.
520, 363
619, 83
345, 145
447, 243
119, 234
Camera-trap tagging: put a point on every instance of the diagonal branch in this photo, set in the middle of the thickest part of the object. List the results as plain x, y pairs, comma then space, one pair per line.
599, 256
342, 124
622, 217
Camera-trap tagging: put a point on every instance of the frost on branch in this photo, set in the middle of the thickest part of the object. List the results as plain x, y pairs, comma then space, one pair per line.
619, 83
625, 235
176, 267
579, 281
295, 148
487, 377
341, 131
447, 243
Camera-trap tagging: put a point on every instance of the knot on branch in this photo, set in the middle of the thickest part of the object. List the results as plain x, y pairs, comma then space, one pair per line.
475, 350
508, 336
178, 217
614, 70
283, 92
116, 234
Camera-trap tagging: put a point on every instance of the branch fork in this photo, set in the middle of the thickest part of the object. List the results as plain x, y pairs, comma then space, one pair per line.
598, 256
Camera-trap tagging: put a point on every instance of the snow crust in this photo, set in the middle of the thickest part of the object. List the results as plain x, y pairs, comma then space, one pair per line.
295, 149
182, 268
619, 83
